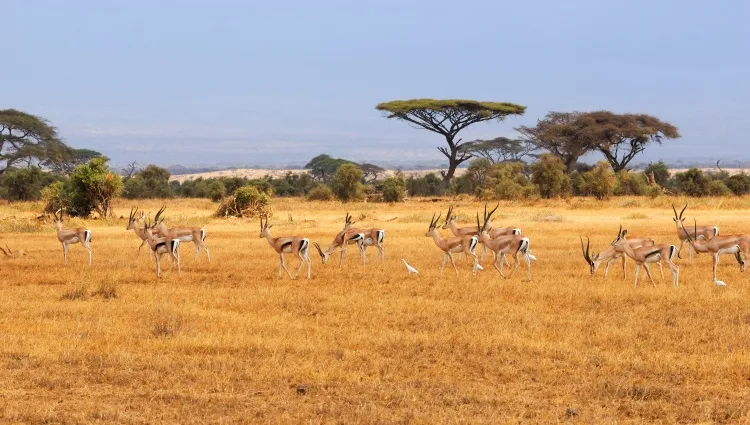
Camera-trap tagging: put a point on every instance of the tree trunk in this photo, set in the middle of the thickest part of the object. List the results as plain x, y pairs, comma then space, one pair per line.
452, 165
570, 164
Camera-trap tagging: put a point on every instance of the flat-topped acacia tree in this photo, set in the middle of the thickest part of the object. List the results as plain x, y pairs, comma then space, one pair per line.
448, 117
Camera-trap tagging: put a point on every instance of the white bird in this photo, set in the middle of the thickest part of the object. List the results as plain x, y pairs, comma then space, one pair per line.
479, 267
719, 283
409, 268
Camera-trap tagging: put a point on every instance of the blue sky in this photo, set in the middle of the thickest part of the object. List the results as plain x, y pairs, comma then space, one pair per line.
250, 82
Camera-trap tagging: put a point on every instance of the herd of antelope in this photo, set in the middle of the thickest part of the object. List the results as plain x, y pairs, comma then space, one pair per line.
645, 251
502, 242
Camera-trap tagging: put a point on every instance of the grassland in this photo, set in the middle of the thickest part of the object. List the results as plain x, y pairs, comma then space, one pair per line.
227, 342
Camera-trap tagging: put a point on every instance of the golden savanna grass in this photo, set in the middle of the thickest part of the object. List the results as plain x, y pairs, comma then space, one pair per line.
228, 342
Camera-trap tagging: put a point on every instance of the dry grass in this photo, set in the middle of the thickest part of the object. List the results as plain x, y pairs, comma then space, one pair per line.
228, 342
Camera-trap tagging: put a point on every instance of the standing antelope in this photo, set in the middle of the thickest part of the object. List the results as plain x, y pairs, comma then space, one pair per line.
615, 252
466, 244
140, 232
291, 244
161, 246
362, 237
699, 232
72, 236
185, 234
718, 245
645, 255
500, 246
450, 223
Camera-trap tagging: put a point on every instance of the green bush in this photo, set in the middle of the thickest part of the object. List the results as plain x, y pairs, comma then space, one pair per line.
216, 190
92, 187
25, 184
600, 181
506, 181
54, 197
578, 184
394, 189
739, 184
631, 184
718, 188
347, 184
548, 174
691, 183
246, 201
320, 192
151, 182
429, 185
661, 172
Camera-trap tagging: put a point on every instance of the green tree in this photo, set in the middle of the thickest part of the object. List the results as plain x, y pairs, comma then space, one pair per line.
92, 187
557, 134
548, 174
347, 184
448, 118
26, 139
69, 160
150, 182
505, 181
394, 189
739, 184
601, 180
661, 172
25, 184
429, 185
692, 183
501, 149
323, 167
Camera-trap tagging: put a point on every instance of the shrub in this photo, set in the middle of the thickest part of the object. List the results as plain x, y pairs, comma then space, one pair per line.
548, 174
506, 181
151, 182
578, 184
320, 192
691, 183
54, 197
92, 187
347, 184
25, 184
429, 185
600, 181
246, 201
216, 190
630, 184
661, 172
718, 188
394, 189
739, 184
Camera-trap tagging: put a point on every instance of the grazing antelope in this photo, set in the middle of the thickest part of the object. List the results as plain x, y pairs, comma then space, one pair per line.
466, 244
72, 236
450, 223
700, 232
285, 245
185, 234
500, 246
362, 237
723, 244
140, 232
615, 252
162, 246
646, 255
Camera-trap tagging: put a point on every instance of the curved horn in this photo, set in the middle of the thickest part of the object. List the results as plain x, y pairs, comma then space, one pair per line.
320, 251
493, 211
438, 219
449, 215
158, 214
675, 212
479, 228
585, 250
432, 221
683, 209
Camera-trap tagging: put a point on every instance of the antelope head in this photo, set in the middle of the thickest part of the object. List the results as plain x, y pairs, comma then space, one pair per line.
132, 219
587, 254
323, 255
264, 226
448, 218
678, 219
433, 224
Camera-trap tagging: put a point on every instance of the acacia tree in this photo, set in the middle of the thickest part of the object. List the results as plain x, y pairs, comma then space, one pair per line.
557, 133
501, 149
448, 118
28, 139
620, 137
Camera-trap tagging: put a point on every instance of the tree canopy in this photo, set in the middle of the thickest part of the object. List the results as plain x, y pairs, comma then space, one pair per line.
557, 134
323, 167
29, 139
448, 117
501, 149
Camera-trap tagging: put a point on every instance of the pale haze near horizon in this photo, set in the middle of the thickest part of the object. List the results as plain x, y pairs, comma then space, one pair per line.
248, 83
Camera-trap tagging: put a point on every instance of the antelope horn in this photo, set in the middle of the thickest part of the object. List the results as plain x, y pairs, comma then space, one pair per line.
585, 251
432, 221
479, 228
683, 210
493, 211
320, 251
675, 212
6, 254
448, 216
158, 214
9, 250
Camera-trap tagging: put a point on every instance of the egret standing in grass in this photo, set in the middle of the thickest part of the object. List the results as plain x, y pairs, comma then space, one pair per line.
409, 268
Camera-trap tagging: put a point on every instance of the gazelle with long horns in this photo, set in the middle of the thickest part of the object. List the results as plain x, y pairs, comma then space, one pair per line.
514, 245
352, 235
197, 235
466, 244
133, 224
721, 244
296, 245
646, 255
161, 246
699, 232
494, 232
67, 237
615, 252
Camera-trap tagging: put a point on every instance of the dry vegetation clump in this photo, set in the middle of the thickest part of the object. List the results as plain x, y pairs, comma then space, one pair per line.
228, 342
246, 201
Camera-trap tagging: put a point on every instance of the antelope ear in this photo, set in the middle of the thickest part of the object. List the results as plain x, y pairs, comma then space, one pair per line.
269, 226
624, 232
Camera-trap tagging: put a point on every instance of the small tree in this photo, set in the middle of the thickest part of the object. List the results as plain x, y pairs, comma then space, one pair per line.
739, 184
506, 181
429, 185
25, 184
394, 189
150, 182
347, 184
660, 171
548, 174
320, 192
629, 183
92, 188
600, 181
323, 167
55, 197
448, 118
692, 183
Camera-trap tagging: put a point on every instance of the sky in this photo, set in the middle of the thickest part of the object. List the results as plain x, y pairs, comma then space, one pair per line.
277, 82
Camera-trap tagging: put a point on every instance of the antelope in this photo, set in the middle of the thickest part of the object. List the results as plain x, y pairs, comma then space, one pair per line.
72, 236
284, 245
466, 244
724, 244
450, 223
700, 232
362, 237
512, 244
185, 234
645, 255
162, 246
615, 252
140, 232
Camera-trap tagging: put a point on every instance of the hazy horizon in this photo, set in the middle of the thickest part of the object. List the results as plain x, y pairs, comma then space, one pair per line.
248, 83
